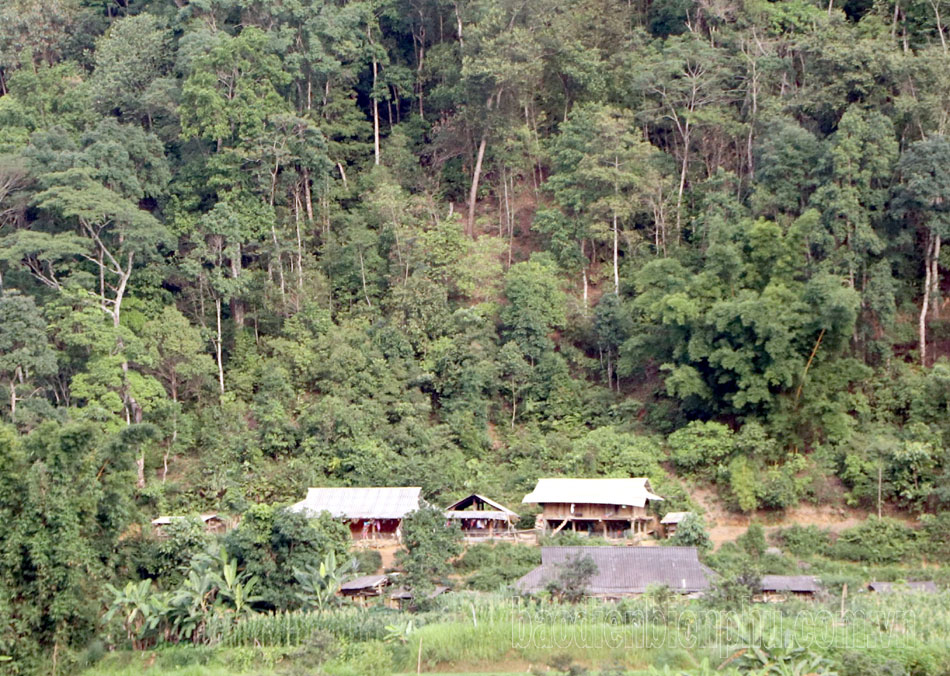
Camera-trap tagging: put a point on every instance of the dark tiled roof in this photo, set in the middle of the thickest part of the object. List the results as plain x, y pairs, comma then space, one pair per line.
928, 586
792, 583
625, 570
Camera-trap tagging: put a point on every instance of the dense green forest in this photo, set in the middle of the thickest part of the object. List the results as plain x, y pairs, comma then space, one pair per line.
250, 246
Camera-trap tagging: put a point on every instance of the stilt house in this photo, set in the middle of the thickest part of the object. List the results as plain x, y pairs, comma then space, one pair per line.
612, 508
373, 514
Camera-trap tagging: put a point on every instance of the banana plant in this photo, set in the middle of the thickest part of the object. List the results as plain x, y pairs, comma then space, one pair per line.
235, 587
320, 585
143, 611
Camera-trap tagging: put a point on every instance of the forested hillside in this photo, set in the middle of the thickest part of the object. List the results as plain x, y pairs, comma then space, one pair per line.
251, 246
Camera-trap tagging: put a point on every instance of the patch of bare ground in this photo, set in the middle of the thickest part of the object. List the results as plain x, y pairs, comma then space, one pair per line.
726, 525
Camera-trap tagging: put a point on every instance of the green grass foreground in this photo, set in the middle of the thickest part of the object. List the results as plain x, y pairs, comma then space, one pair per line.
492, 635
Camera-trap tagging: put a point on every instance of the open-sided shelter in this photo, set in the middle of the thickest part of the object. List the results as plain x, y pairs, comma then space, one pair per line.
479, 516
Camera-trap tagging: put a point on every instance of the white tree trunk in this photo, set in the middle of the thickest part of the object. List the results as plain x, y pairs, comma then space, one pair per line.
217, 344
616, 257
473, 191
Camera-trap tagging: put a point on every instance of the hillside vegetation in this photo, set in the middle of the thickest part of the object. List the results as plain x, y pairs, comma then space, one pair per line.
251, 246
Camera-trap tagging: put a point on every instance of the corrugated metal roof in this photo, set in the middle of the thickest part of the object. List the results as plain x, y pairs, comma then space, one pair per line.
488, 501
792, 583
360, 503
928, 586
364, 582
634, 491
624, 570
674, 517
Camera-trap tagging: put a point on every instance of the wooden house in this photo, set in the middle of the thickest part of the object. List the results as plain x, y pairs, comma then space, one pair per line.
374, 515
624, 571
783, 587
612, 508
213, 523
479, 517
362, 588
671, 520
921, 587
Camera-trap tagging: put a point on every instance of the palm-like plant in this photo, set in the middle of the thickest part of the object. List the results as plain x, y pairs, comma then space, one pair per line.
143, 611
320, 585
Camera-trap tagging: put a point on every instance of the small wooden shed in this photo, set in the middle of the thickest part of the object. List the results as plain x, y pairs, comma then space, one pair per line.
671, 521
401, 597
362, 588
480, 517
782, 587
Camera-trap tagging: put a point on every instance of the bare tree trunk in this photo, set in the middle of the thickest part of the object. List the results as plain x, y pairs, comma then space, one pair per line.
584, 274
925, 303
616, 257
217, 344
363, 277
943, 38
473, 192
12, 399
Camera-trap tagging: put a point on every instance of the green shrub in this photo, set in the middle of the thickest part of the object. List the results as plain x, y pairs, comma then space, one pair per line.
691, 532
876, 540
368, 561
490, 566
803, 540
700, 445
934, 536
753, 540
371, 658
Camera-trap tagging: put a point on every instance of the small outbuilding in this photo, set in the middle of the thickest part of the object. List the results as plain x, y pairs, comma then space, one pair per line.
361, 588
782, 587
401, 597
612, 508
373, 514
624, 571
480, 517
923, 586
671, 521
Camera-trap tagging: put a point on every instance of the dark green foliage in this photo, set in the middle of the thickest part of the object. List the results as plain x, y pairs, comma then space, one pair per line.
236, 250
803, 540
691, 532
753, 540
368, 561
271, 542
65, 498
573, 578
876, 540
488, 567
430, 543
